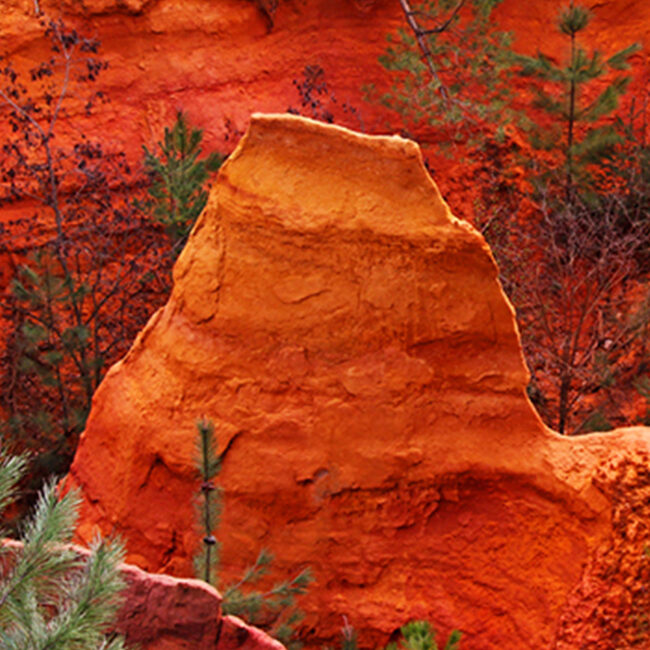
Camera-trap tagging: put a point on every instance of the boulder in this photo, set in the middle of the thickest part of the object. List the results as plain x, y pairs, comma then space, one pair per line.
349, 338
165, 613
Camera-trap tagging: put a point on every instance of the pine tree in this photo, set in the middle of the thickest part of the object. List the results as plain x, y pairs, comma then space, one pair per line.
50, 597
577, 137
451, 72
273, 609
572, 256
178, 177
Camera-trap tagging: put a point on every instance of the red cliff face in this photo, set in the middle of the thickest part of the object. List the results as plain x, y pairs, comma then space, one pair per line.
349, 339
224, 60
217, 60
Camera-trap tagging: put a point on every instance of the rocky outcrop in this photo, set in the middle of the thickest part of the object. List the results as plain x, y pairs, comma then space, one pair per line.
222, 60
350, 340
164, 613
177, 614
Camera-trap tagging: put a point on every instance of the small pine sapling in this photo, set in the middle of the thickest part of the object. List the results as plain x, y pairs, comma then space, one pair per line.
577, 136
274, 609
208, 464
178, 176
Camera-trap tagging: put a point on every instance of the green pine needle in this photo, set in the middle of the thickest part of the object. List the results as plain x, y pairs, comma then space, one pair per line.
51, 597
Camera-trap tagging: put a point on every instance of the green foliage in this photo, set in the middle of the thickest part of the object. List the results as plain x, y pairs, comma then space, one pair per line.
208, 465
272, 609
593, 233
50, 339
449, 56
577, 134
419, 635
416, 635
50, 597
570, 237
178, 176
569, 258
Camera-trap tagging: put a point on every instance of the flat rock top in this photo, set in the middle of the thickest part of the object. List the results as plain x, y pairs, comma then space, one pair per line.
320, 176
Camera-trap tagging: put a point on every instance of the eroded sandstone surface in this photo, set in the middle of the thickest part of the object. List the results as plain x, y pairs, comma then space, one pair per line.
221, 60
350, 340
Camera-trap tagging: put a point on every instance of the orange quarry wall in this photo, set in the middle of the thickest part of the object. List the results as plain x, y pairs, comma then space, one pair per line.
225, 60
350, 340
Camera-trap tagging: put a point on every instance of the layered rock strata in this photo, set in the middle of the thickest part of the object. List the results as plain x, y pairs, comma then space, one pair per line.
350, 340
221, 61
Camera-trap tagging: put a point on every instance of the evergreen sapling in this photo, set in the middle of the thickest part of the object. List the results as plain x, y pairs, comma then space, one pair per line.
577, 137
274, 609
208, 464
178, 176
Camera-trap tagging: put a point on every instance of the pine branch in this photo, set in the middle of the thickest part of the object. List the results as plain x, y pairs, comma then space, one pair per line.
51, 598
419, 34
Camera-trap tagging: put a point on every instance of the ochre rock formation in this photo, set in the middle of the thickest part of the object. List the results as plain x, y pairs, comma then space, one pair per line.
221, 60
164, 613
350, 340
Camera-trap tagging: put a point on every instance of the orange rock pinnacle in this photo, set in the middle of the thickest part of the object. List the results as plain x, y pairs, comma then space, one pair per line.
350, 340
